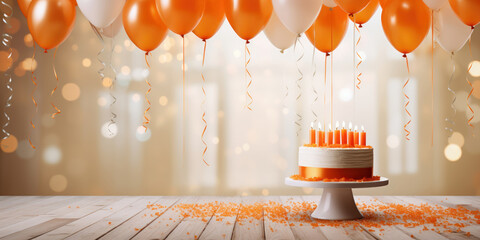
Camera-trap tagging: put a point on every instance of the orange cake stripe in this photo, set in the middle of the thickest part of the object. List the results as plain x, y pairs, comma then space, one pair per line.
355, 173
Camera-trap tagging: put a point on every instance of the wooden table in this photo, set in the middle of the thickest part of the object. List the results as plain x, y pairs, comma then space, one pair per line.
115, 217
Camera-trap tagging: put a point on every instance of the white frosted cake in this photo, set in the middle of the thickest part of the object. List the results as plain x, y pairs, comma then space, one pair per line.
335, 163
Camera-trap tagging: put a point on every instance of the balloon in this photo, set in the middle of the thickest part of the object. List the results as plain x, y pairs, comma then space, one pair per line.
406, 23
212, 19
435, 4
143, 24
383, 3
329, 3
467, 10
50, 21
329, 29
352, 6
101, 13
23, 5
248, 17
452, 32
112, 29
181, 16
297, 16
278, 34
363, 16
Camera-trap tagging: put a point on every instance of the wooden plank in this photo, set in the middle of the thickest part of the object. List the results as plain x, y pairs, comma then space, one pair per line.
192, 227
73, 227
274, 227
105, 225
161, 227
130, 228
8, 203
39, 229
223, 221
247, 227
300, 222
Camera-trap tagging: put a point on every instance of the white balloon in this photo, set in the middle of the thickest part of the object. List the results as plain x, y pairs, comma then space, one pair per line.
278, 34
452, 32
297, 15
112, 30
101, 13
330, 3
435, 4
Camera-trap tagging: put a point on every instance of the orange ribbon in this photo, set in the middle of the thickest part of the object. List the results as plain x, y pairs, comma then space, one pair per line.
407, 132
56, 86
359, 81
469, 83
203, 106
247, 74
355, 173
147, 120
33, 78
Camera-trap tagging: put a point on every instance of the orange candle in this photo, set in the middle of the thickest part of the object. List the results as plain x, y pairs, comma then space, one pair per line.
312, 135
337, 134
363, 138
355, 141
344, 134
350, 136
330, 136
320, 136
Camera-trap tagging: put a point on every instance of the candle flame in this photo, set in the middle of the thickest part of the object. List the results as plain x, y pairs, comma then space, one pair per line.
363, 129
343, 124
356, 128
330, 126
311, 125
336, 125
320, 126
350, 126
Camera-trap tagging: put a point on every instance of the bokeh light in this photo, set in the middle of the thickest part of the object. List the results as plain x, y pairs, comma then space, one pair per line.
345, 94
109, 130
14, 26
74, 47
143, 135
393, 141
456, 138
474, 68
28, 39
453, 152
86, 62
163, 100
71, 92
29, 65
9, 144
6, 61
136, 97
19, 71
107, 82
265, 192
215, 140
24, 150
52, 155
58, 183
125, 70
101, 101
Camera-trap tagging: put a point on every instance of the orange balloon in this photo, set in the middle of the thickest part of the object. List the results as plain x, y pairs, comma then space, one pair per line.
352, 6
248, 17
328, 29
212, 19
467, 10
406, 23
363, 16
50, 21
181, 16
383, 3
143, 24
23, 5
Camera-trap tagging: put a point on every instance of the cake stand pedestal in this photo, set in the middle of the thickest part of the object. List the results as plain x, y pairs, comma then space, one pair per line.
337, 201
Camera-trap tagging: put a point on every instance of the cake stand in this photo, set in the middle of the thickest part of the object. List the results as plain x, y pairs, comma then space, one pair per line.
337, 201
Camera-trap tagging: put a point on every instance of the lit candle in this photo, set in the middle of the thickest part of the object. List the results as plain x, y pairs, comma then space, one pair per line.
320, 136
350, 136
330, 135
355, 141
337, 134
363, 138
344, 134
312, 134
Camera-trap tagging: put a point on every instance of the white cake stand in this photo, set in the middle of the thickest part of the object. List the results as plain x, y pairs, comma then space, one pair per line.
337, 201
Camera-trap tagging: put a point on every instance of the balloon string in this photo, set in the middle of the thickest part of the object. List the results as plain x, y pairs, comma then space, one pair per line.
433, 105
248, 57
56, 86
147, 119
448, 120
325, 91
331, 87
359, 81
285, 97
6, 39
203, 106
315, 93
354, 70
33, 78
183, 99
299, 80
407, 132
114, 99
469, 83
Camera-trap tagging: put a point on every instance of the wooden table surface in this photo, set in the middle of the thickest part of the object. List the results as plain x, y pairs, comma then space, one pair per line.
136, 217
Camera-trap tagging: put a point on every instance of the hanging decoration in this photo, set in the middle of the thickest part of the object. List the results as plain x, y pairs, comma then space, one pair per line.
212, 19
6, 43
147, 31
352, 6
101, 13
406, 23
467, 11
278, 34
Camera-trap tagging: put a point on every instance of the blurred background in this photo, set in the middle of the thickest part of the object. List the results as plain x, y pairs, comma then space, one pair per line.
249, 152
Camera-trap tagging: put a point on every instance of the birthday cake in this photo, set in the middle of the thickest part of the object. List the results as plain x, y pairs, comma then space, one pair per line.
340, 154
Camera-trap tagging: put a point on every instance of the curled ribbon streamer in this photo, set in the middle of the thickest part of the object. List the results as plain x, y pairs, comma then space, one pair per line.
6, 39
56, 86
331, 87
433, 105
450, 120
469, 83
114, 99
183, 99
33, 78
203, 105
298, 122
248, 57
147, 120
407, 132
359, 81
315, 93
325, 91
286, 87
